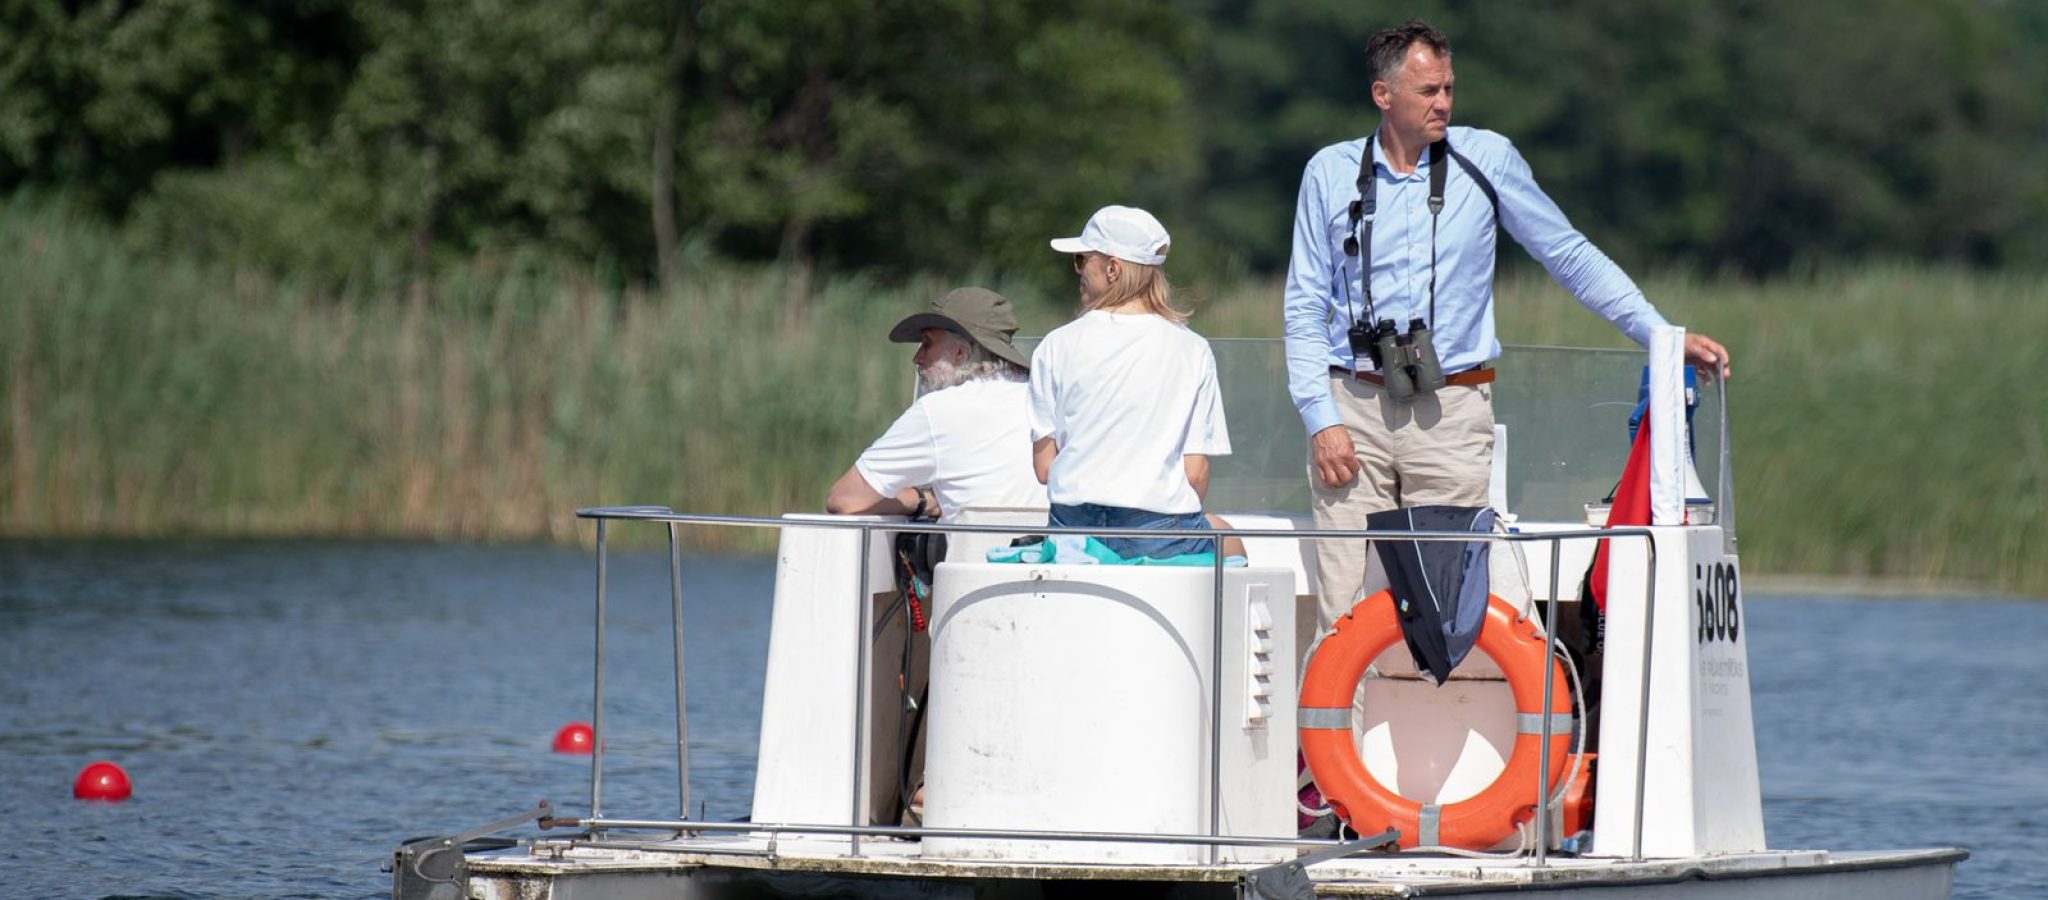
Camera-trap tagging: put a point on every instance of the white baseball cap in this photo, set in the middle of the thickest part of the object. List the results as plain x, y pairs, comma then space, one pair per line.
1125, 232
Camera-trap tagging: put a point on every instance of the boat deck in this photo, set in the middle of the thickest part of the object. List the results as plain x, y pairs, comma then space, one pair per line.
772, 865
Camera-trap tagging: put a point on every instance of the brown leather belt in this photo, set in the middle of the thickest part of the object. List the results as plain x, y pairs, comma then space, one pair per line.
1480, 375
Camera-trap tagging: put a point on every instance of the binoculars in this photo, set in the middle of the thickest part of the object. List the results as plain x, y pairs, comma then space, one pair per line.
1407, 360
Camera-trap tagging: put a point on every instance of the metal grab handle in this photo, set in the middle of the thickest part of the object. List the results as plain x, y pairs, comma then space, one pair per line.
440, 860
1290, 881
546, 811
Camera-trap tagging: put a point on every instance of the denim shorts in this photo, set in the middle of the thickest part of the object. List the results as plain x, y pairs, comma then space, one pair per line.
1096, 515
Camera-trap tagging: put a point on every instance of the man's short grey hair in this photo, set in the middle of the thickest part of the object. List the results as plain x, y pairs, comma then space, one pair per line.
1387, 50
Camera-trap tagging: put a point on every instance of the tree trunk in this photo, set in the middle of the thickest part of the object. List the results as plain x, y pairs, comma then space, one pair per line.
234, 142
663, 200
19, 432
662, 205
420, 261
796, 261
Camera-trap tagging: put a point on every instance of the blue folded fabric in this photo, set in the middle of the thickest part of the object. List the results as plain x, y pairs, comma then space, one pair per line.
1072, 549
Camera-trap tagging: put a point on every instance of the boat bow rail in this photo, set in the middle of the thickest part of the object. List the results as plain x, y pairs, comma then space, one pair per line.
871, 529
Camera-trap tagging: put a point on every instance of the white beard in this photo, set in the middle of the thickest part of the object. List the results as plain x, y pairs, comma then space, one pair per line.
938, 376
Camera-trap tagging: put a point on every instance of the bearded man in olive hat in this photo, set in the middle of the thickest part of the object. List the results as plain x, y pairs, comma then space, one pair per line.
965, 442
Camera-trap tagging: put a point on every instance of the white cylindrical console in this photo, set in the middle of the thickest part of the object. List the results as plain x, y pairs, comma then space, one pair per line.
1076, 698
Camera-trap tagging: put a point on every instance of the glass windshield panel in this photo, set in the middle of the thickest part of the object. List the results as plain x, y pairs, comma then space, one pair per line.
1565, 411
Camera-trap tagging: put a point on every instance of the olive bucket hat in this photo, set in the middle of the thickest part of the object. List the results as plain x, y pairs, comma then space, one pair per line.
973, 312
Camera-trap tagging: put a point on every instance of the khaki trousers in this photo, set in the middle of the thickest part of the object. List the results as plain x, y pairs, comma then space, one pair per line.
1434, 448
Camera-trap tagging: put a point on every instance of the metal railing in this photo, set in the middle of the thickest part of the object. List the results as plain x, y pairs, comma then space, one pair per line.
1215, 840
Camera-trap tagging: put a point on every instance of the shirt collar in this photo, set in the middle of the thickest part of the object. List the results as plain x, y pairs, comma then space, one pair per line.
1379, 159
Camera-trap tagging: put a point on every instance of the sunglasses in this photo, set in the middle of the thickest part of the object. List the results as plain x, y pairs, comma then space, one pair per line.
1081, 261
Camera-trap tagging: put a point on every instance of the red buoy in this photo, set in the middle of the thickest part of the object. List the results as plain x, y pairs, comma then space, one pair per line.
575, 737
102, 781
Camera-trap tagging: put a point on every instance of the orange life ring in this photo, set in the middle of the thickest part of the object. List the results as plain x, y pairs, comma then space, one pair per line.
1475, 823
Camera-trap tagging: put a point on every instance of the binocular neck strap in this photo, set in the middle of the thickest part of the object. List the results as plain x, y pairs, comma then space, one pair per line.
1437, 175
1359, 245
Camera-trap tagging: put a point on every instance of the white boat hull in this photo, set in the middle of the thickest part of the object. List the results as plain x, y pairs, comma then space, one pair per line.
804, 867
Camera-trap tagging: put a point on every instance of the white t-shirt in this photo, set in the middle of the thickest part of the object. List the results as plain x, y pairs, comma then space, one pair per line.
1125, 397
967, 441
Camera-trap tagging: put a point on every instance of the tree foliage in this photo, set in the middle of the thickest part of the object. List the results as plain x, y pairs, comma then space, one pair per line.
1743, 135
895, 135
493, 122
102, 97
927, 133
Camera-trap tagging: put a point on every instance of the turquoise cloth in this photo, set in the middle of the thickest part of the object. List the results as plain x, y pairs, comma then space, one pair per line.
1083, 550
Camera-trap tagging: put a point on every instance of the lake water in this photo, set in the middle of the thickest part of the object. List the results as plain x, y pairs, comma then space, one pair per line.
289, 712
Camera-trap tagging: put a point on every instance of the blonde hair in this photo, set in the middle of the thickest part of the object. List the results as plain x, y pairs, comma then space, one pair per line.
1143, 285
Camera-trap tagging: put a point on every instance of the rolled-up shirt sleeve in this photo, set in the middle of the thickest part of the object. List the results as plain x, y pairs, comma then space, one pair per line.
903, 457
1306, 303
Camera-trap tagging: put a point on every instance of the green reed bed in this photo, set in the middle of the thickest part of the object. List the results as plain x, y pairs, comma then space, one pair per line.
1887, 418
154, 397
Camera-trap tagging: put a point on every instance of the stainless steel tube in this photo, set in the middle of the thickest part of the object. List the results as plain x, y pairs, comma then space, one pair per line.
675, 589
1549, 677
903, 832
1216, 705
597, 692
861, 684
1643, 718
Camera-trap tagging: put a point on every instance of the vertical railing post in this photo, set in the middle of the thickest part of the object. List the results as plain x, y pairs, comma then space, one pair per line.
1216, 706
1549, 679
597, 693
675, 588
1643, 695
861, 682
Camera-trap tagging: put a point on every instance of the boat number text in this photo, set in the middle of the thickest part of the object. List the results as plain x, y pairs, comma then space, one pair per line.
1715, 592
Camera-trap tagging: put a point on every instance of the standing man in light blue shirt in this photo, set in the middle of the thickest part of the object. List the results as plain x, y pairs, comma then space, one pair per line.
1409, 239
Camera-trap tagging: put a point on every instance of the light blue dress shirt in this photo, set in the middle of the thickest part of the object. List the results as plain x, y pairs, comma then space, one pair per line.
1323, 295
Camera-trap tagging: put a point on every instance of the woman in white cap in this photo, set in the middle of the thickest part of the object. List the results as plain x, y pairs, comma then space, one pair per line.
1125, 410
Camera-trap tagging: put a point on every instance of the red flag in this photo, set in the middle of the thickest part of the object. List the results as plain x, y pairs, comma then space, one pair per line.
1631, 506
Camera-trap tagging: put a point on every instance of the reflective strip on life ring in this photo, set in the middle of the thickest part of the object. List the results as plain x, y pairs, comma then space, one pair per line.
1475, 823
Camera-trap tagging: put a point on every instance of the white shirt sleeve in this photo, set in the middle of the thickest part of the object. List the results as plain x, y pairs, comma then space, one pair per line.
1044, 397
904, 456
1208, 433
